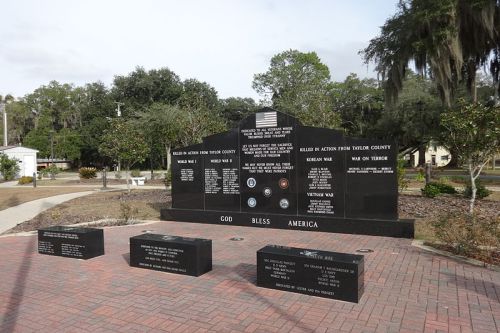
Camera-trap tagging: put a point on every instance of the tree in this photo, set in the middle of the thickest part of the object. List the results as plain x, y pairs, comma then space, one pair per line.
298, 83
473, 131
142, 88
414, 121
359, 104
161, 124
122, 142
234, 109
450, 38
9, 167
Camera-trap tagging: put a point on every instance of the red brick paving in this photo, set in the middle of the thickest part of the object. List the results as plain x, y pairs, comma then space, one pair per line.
406, 289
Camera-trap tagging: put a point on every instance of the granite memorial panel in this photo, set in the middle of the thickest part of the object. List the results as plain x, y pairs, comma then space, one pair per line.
272, 172
73, 242
173, 254
312, 272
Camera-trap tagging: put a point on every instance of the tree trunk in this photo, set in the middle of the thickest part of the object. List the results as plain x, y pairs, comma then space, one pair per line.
169, 160
474, 189
421, 155
127, 177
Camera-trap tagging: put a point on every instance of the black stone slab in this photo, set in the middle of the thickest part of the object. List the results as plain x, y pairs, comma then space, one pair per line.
173, 254
72, 242
311, 272
272, 165
376, 227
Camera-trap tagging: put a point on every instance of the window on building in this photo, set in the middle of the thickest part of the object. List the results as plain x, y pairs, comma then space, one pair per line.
445, 157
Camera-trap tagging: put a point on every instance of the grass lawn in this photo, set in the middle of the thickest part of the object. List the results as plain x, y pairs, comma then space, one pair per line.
139, 204
10, 197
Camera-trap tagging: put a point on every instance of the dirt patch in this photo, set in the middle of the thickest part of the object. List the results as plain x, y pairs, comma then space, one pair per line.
141, 205
13, 196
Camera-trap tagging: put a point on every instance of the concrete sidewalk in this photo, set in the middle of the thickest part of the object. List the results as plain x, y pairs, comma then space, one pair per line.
12, 216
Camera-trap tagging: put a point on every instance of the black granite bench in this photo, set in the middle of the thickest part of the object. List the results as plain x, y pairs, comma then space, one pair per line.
173, 254
311, 272
73, 242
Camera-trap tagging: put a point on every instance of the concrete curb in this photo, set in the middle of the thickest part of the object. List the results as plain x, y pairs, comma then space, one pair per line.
420, 244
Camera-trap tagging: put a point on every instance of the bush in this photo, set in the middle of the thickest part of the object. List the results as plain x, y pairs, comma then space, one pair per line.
128, 213
168, 177
481, 193
135, 173
468, 235
51, 171
433, 189
420, 177
8, 167
25, 180
87, 172
118, 175
401, 172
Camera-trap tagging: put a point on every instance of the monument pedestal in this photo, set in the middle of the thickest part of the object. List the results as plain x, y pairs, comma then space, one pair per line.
173, 254
311, 272
373, 227
72, 242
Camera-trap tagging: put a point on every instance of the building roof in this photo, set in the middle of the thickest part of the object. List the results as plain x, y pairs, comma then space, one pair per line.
4, 148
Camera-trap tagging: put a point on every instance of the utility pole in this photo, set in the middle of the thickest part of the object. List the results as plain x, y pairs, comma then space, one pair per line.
118, 110
4, 112
119, 114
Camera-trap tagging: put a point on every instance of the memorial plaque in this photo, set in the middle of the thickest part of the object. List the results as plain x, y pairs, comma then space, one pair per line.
311, 272
173, 254
73, 242
272, 172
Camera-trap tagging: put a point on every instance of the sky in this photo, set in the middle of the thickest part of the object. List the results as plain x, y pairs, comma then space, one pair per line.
221, 42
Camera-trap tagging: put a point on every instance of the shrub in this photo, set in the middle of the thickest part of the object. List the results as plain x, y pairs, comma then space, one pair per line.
481, 193
87, 172
401, 172
420, 177
135, 173
467, 234
118, 175
25, 180
433, 189
51, 171
8, 167
128, 213
168, 177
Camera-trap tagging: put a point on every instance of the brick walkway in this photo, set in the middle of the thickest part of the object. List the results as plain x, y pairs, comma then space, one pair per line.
406, 289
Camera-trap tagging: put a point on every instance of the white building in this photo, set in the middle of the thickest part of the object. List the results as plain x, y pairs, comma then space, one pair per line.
437, 156
26, 158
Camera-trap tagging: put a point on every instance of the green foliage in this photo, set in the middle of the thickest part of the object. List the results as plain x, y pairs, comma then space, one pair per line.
359, 102
447, 38
234, 109
468, 234
482, 191
168, 177
401, 173
118, 175
473, 132
420, 177
87, 172
135, 173
142, 88
52, 170
299, 83
433, 189
123, 142
25, 180
9, 167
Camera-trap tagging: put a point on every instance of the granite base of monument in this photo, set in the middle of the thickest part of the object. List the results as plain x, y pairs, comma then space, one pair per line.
72, 242
173, 254
403, 228
311, 272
